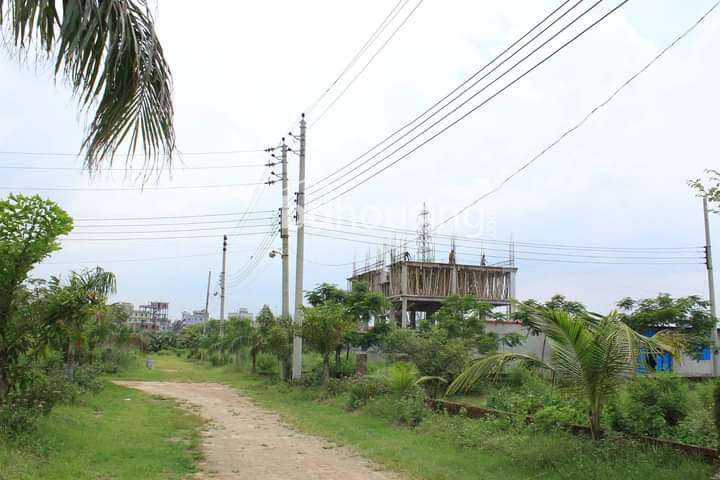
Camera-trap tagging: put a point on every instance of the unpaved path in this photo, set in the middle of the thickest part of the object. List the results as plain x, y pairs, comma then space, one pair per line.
245, 441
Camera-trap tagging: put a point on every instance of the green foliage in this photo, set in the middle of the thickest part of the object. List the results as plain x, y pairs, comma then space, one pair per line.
709, 189
111, 56
716, 407
267, 365
401, 377
687, 315
364, 389
593, 355
324, 328
434, 354
29, 230
462, 317
651, 405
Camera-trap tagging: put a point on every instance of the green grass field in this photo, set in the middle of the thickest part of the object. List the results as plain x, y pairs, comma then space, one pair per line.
442, 447
116, 434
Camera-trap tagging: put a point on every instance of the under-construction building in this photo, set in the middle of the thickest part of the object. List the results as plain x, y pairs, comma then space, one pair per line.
417, 286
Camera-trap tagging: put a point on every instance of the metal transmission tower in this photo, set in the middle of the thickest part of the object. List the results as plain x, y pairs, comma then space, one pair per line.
425, 245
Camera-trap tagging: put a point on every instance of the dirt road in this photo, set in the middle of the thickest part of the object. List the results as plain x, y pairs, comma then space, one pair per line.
245, 441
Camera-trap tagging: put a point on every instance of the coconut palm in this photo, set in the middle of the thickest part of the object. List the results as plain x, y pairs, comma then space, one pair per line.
110, 54
592, 354
76, 308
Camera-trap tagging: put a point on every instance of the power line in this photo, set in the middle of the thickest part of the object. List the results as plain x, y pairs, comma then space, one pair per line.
174, 224
167, 217
462, 117
335, 237
395, 230
613, 255
383, 25
118, 189
584, 119
67, 154
122, 239
182, 230
382, 47
316, 185
129, 170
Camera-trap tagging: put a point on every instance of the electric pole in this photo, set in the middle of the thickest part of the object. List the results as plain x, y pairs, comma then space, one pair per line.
300, 252
284, 235
207, 304
711, 289
222, 286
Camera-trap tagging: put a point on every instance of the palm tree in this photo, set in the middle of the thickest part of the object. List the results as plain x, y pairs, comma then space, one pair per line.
109, 52
76, 306
592, 354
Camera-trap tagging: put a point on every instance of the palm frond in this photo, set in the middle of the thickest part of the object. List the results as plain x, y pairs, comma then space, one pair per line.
491, 366
109, 52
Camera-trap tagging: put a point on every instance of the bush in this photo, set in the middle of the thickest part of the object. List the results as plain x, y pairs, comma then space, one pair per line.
650, 405
558, 417
364, 389
401, 378
267, 365
407, 410
345, 368
34, 395
336, 386
87, 378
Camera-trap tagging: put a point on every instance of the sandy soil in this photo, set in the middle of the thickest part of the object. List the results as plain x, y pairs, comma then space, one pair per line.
245, 441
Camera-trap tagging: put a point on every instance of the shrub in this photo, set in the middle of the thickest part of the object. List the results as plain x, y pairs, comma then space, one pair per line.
345, 368
336, 386
364, 389
87, 378
650, 405
411, 409
267, 365
558, 417
401, 378
716, 406
34, 395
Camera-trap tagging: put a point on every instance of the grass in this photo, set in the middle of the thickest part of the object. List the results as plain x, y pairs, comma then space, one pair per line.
442, 447
116, 434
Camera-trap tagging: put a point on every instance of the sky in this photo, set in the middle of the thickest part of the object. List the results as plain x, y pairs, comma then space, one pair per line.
244, 71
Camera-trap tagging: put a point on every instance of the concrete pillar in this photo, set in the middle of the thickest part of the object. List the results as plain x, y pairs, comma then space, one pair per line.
361, 359
403, 314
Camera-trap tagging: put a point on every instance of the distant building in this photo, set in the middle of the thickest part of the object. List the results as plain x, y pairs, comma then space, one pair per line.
152, 317
241, 314
194, 318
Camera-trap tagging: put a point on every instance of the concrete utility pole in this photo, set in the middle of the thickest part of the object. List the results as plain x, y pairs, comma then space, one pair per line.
207, 303
711, 288
284, 234
222, 287
299, 262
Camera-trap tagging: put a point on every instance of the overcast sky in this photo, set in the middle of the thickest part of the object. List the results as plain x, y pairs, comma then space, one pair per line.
243, 71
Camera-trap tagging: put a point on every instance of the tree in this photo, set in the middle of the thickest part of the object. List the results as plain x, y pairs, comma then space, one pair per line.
525, 310
709, 190
29, 229
324, 328
359, 304
325, 293
592, 354
688, 315
77, 308
109, 52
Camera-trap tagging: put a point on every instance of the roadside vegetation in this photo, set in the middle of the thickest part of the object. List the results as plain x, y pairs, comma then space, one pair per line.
59, 337
384, 413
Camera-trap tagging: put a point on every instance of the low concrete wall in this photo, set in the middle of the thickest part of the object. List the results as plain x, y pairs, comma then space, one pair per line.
710, 455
